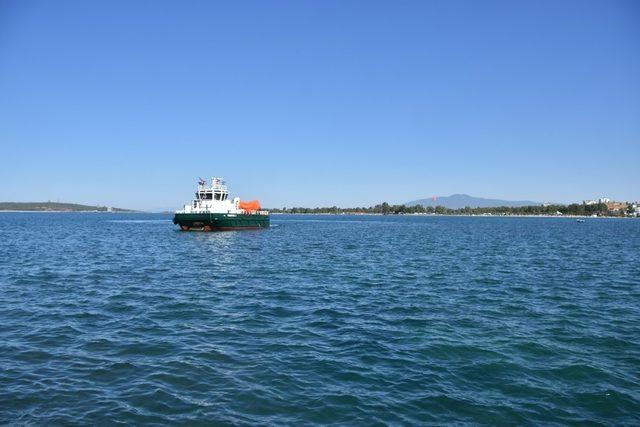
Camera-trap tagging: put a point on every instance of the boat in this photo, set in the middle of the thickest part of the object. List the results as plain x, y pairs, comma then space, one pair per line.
212, 210
580, 220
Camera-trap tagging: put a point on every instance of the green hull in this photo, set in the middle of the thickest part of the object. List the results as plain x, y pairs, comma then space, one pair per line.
219, 221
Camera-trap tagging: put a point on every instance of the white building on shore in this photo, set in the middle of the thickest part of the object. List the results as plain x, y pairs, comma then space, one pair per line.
595, 202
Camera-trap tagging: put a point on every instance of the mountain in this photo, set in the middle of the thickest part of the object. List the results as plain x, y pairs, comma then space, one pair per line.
55, 206
457, 201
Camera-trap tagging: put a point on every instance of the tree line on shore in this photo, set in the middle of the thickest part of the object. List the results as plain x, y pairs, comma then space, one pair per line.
387, 209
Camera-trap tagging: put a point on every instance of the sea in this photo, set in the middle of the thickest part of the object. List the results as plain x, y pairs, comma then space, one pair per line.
122, 319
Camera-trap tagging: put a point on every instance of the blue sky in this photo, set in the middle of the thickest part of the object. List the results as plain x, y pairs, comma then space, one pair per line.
319, 102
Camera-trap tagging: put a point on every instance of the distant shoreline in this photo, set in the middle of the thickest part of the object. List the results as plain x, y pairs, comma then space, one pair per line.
57, 207
577, 210
342, 214
458, 215
71, 211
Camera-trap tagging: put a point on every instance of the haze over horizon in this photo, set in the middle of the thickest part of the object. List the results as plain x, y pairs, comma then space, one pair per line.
319, 103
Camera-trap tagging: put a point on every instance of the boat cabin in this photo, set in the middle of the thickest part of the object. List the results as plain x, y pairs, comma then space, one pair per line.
217, 190
212, 197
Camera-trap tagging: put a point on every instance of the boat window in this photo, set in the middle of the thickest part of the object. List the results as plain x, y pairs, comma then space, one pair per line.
217, 196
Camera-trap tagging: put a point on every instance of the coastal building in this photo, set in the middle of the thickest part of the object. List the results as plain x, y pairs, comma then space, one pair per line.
612, 205
616, 206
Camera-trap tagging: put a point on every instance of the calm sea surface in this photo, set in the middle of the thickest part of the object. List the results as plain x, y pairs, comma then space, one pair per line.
120, 318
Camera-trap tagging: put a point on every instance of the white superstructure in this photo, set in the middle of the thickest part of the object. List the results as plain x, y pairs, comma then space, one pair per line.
213, 198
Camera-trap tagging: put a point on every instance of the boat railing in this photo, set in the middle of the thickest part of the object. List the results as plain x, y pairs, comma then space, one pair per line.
252, 212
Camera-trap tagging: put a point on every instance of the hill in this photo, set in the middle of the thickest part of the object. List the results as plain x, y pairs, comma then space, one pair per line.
458, 201
55, 207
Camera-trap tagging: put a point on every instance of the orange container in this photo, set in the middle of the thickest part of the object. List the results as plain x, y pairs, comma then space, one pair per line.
253, 205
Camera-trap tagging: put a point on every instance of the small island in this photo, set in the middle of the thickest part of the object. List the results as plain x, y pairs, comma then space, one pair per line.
57, 207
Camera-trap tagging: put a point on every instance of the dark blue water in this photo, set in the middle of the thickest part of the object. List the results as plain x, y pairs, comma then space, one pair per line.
114, 318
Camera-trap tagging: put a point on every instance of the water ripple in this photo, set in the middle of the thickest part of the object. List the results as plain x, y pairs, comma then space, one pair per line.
347, 320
